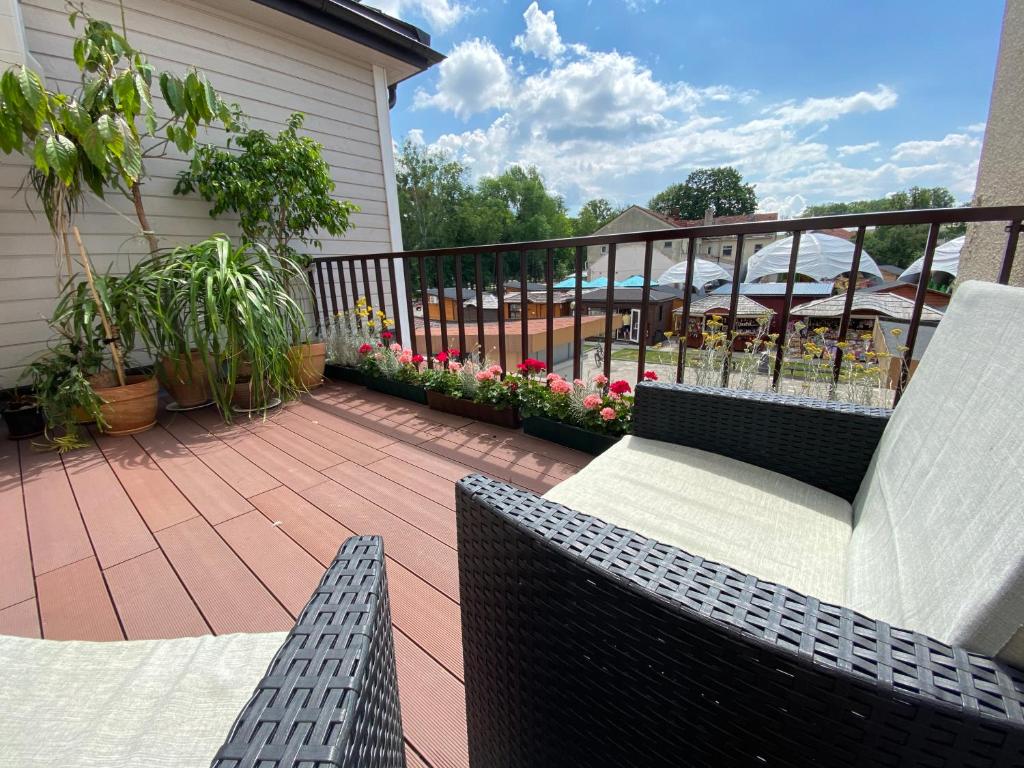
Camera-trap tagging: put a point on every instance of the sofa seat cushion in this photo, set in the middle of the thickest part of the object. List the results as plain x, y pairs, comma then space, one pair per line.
755, 521
152, 703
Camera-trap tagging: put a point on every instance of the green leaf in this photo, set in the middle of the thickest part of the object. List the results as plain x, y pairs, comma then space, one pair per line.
90, 93
131, 156
62, 156
196, 96
31, 88
39, 155
95, 146
78, 51
174, 93
147, 103
125, 95
210, 98
75, 119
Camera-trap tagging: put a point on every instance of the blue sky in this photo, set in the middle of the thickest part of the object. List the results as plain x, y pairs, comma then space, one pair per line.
811, 100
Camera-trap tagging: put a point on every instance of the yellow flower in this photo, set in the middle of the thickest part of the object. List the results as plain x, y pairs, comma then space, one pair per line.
896, 331
843, 344
821, 330
389, 323
866, 337
849, 356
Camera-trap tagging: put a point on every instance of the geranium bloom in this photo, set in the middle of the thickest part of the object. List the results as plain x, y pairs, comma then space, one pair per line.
417, 359
365, 349
455, 366
608, 414
561, 387
650, 376
579, 382
600, 379
454, 353
405, 358
553, 376
495, 369
386, 335
620, 387
615, 396
484, 376
442, 357
590, 402
396, 348
531, 365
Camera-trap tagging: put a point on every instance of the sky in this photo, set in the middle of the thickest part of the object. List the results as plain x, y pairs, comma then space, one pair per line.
812, 101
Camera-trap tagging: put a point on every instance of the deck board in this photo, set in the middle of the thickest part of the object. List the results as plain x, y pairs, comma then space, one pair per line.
184, 551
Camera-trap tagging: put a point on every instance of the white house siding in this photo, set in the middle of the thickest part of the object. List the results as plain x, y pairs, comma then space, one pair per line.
271, 65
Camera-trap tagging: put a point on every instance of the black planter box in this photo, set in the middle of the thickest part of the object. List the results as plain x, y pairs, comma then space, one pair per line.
413, 392
337, 372
24, 422
503, 417
568, 435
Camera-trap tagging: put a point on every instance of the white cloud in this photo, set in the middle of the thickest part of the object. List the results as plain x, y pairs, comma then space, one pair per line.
474, 78
541, 37
441, 14
951, 142
855, 149
822, 110
975, 128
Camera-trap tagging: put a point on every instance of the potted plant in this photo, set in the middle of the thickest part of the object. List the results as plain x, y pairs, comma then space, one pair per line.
392, 369
281, 189
347, 334
472, 390
233, 304
23, 416
60, 384
587, 416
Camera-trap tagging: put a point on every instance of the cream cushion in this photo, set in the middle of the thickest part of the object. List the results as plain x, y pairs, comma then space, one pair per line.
152, 703
938, 539
756, 521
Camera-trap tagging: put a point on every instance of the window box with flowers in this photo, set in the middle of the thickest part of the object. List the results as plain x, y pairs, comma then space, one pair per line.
471, 390
392, 369
588, 416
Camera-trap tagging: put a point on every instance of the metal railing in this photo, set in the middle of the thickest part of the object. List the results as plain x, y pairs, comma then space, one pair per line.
388, 280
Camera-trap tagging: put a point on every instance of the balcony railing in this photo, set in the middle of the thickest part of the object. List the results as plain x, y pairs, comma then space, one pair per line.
398, 282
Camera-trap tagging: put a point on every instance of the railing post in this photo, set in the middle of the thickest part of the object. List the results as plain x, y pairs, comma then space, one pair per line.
524, 325
844, 324
441, 312
428, 326
396, 311
734, 302
479, 276
915, 316
684, 338
1006, 267
330, 284
577, 321
787, 307
645, 298
499, 278
549, 335
609, 305
322, 330
459, 309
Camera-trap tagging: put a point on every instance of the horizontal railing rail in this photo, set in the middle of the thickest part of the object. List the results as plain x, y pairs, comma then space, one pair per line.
398, 282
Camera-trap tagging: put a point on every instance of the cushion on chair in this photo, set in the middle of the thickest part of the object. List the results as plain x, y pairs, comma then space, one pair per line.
938, 539
152, 703
751, 519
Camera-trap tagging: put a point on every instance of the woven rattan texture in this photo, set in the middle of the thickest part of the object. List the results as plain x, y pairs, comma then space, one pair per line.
823, 443
330, 696
587, 644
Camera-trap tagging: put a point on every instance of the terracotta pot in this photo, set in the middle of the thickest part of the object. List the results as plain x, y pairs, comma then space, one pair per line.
189, 388
246, 398
104, 379
308, 361
131, 408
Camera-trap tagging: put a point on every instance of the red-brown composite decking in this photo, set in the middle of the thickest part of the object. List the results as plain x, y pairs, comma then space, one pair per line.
197, 527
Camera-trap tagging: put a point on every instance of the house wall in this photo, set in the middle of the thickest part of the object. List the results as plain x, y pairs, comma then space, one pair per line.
271, 65
1001, 170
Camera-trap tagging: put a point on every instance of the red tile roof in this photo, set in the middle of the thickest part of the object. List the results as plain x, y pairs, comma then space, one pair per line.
741, 218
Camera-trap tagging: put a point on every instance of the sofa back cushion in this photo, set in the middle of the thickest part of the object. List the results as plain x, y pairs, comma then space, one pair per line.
938, 537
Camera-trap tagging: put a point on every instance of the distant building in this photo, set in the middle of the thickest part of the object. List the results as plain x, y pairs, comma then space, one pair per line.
626, 307
748, 318
932, 298
772, 296
537, 304
629, 257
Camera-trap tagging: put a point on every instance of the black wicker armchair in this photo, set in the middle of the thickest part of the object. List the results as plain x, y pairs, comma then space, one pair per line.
588, 644
330, 696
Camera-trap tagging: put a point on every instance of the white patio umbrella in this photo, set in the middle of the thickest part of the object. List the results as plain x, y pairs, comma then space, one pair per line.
821, 256
946, 259
704, 272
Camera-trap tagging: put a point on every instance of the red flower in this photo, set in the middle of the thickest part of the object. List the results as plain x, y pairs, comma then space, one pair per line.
387, 335
442, 357
417, 359
365, 349
454, 353
620, 387
650, 376
531, 365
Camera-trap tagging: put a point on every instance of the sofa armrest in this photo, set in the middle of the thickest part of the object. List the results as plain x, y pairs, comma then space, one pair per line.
330, 695
588, 644
823, 443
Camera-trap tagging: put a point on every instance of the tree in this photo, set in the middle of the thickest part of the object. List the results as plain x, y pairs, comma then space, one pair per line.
432, 191
280, 188
720, 189
593, 215
897, 245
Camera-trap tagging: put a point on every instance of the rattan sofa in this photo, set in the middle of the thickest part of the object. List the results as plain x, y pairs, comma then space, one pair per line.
328, 698
588, 643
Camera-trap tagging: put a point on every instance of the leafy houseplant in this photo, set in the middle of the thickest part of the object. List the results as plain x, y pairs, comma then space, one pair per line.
231, 302
280, 187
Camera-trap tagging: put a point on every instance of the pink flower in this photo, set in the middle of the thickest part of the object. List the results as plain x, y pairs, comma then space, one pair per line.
620, 387
614, 395
396, 348
561, 387
484, 376
590, 402
553, 377
650, 376
495, 369
405, 358
455, 366
600, 379
365, 349
608, 414
579, 383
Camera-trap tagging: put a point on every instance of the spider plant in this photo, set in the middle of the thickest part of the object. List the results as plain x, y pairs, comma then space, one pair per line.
231, 304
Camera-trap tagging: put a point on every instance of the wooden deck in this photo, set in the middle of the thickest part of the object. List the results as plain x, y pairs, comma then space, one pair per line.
195, 527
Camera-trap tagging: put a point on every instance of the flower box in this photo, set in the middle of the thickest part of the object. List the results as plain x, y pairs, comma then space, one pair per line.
503, 417
413, 392
338, 372
569, 435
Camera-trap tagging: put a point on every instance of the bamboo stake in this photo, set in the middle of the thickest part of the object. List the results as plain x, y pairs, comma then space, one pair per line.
115, 347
